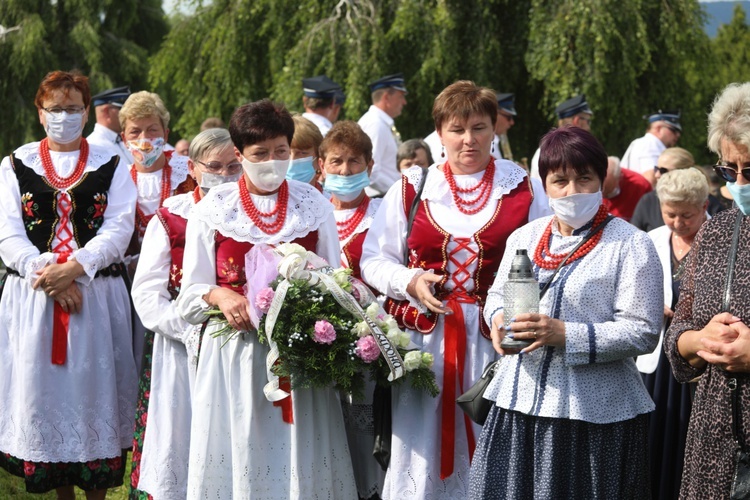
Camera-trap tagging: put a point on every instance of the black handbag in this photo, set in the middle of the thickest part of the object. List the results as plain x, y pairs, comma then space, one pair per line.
473, 402
741, 478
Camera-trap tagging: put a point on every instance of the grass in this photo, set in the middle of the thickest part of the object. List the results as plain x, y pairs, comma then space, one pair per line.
13, 487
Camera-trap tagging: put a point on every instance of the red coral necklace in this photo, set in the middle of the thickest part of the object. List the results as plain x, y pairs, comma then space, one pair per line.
141, 219
52, 176
545, 259
346, 228
197, 194
257, 216
483, 189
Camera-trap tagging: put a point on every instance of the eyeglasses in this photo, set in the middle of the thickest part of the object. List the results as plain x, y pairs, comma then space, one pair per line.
730, 174
674, 130
661, 170
216, 167
71, 110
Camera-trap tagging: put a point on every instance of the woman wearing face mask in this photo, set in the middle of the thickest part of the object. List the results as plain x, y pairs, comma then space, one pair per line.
305, 144
67, 373
570, 418
161, 442
469, 205
345, 162
242, 445
157, 174
709, 337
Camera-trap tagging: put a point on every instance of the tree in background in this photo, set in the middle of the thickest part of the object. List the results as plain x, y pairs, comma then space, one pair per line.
107, 40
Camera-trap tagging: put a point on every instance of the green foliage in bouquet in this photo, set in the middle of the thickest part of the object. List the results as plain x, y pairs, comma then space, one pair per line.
313, 359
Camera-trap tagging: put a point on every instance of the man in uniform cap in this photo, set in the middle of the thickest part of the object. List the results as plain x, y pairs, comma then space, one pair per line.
506, 113
319, 99
388, 99
575, 111
107, 130
663, 132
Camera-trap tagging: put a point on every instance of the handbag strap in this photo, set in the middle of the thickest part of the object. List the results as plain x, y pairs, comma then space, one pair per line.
413, 212
586, 238
731, 261
734, 389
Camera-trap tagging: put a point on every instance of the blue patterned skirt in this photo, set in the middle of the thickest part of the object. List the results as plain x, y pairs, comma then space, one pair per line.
525, 457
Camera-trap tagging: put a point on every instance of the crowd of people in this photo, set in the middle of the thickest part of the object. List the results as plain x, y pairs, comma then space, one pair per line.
120, 249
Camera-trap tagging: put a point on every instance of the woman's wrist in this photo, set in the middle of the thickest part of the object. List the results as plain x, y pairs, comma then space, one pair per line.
688, 344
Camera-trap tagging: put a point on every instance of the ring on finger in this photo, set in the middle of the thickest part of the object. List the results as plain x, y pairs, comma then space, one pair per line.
534, 332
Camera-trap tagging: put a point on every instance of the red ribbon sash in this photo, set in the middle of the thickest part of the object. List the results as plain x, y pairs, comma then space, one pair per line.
60, 322
287, 413
453, 376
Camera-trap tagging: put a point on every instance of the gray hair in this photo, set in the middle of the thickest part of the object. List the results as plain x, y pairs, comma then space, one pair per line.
688, 185
408, 151
730, 117
208, 141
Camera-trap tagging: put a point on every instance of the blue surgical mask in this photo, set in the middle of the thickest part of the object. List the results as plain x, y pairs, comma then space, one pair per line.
301, 170
740, 195
346, 187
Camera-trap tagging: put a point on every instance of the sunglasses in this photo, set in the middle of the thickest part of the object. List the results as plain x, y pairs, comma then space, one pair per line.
216, 167
661, 170
730, 174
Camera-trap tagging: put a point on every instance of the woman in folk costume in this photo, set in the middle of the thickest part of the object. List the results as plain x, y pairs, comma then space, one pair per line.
469, 204
67, 374
242, 445
345, 162
164, 442
157, 175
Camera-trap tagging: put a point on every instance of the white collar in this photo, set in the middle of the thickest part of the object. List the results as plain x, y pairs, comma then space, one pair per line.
180, 171
364, 224
221, 210
106, 133
29, 155
508, 175
180, 204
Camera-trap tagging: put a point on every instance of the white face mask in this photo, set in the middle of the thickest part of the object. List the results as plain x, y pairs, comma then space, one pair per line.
146, 151
63, 128
212, 180
266, 175
577, 209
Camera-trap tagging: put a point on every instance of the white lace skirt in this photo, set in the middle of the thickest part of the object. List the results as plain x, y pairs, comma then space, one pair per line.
166, 444
240, 446
76, 412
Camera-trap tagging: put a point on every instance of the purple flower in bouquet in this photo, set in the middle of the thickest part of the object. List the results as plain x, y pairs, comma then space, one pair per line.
324, 332
263, 299
367, 349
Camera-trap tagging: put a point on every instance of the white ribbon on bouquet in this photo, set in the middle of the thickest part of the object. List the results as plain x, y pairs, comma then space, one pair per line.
316, 271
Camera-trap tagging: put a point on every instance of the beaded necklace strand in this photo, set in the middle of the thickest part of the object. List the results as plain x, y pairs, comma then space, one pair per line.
545, 259
141, 219
257, 216
346, 228
52, 176
483, 189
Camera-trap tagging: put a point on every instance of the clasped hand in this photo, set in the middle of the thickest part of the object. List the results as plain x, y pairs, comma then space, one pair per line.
539, 329
725, 342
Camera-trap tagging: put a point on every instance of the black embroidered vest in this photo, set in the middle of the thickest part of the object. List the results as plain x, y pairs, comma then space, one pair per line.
88, 199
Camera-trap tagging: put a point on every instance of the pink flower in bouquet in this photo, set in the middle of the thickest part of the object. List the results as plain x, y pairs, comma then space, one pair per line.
264, 298
367, 349
324, 332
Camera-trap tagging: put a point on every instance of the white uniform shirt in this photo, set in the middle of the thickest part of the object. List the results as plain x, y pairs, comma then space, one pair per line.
643, 153
378, 125
111, 141
320, 121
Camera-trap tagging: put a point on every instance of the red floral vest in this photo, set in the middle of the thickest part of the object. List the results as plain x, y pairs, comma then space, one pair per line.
353, 253
175, 226
230, 258
428, 244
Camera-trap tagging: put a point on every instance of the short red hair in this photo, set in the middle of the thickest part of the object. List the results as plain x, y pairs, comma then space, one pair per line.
64, 81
